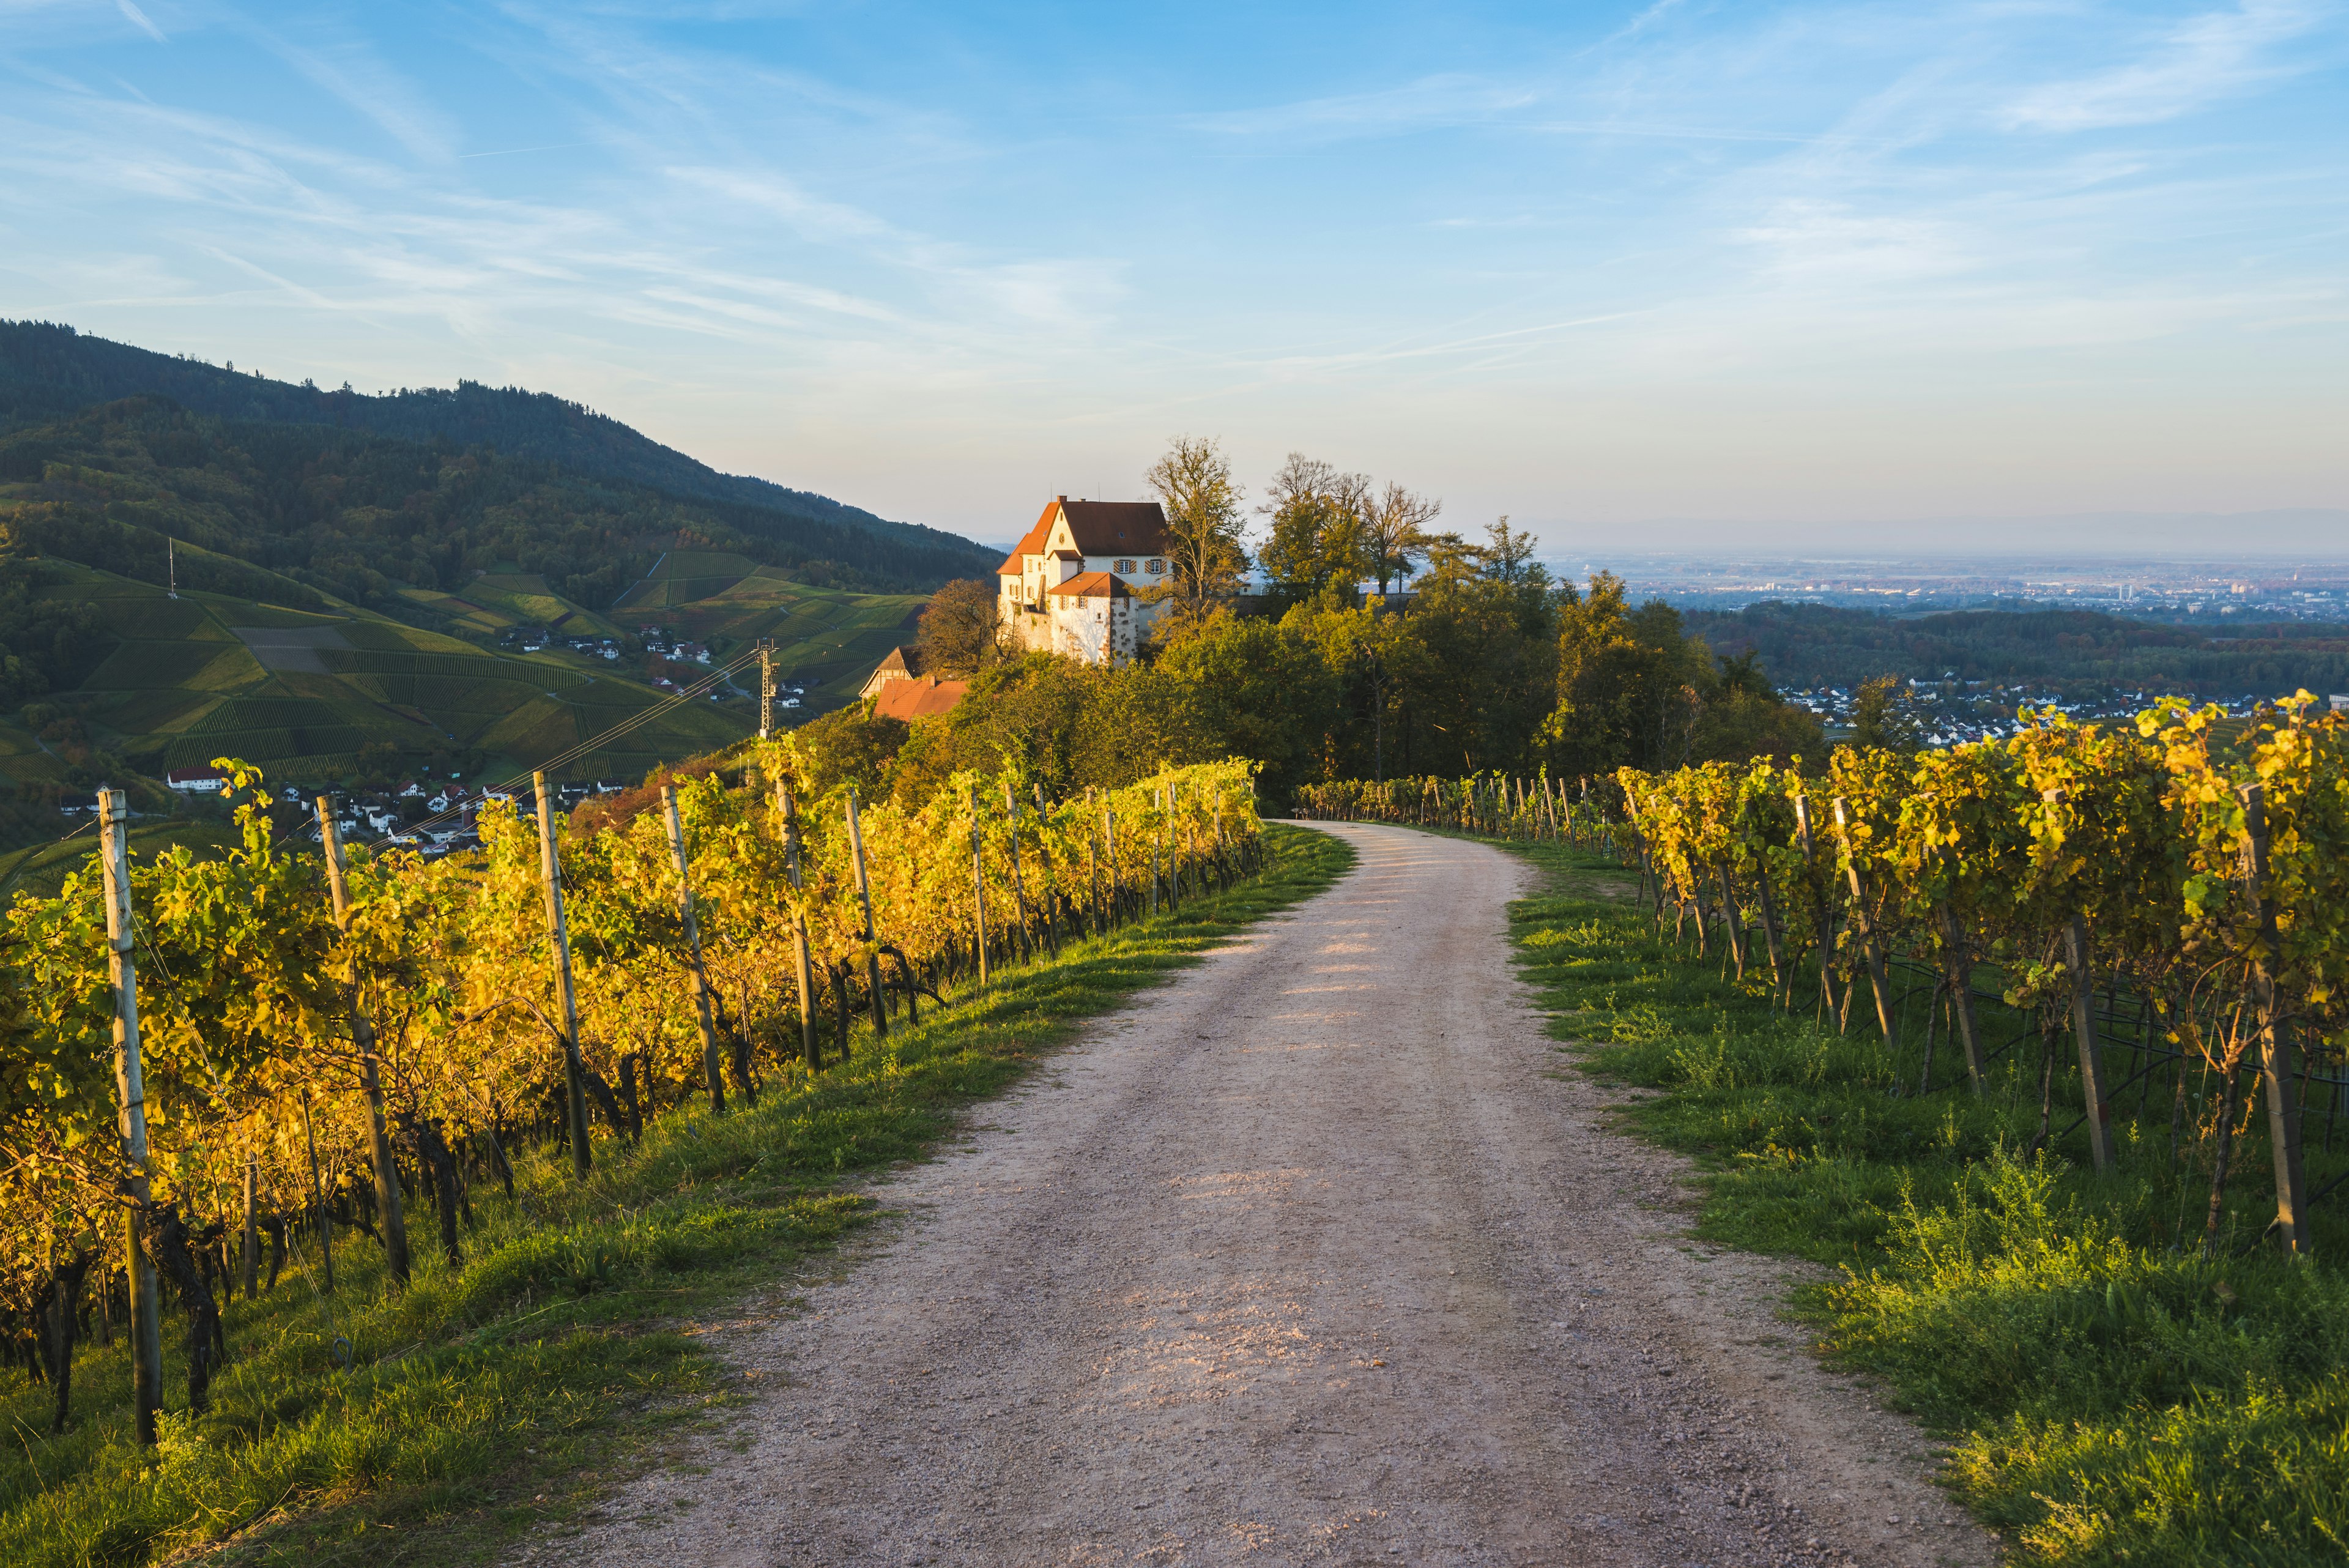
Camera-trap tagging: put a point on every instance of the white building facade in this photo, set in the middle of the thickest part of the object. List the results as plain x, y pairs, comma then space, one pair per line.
1076, 584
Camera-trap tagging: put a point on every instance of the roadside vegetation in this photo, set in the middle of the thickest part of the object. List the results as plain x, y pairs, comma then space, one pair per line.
435, 1423
2109, 1393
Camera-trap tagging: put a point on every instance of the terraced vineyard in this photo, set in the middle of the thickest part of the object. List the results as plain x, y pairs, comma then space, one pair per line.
189, 678
500, 599
823, 637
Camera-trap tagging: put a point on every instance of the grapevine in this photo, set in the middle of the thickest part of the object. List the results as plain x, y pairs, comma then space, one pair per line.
2172, 892
260, 1013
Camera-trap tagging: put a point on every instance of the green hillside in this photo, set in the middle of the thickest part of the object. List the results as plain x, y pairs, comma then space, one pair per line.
169, 683
826, 638
499, 598
49, 373
369, 520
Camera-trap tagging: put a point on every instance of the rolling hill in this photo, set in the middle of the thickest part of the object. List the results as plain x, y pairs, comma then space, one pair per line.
827, 639
362, 516
348, 601
164, 684
49, 372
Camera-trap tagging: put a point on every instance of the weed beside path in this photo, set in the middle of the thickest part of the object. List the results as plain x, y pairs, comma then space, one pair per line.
490, 1396
2109, 1395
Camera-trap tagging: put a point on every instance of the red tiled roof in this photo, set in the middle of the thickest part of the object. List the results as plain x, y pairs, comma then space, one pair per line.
1117, 527
1098, 527
1030, 544
1094, 585
923, 697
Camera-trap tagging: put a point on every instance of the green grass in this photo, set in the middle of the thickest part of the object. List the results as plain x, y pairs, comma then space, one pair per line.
513, 1390
2108, 1395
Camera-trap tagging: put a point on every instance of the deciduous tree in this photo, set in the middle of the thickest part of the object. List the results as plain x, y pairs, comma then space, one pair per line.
1194, 482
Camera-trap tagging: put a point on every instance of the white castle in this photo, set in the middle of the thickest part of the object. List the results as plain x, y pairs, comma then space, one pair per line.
1071, 585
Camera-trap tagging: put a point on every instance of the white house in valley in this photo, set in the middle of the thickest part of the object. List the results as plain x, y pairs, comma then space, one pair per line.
1073, 584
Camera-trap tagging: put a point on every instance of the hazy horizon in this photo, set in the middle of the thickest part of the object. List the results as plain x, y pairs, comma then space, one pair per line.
1696, 275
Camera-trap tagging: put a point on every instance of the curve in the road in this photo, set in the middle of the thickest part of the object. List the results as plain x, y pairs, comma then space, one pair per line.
1313, 1255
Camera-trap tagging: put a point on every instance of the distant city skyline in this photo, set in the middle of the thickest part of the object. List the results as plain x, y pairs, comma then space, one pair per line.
1783, 274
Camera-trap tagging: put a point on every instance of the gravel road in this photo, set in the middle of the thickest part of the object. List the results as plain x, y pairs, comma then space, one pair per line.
1314, 1255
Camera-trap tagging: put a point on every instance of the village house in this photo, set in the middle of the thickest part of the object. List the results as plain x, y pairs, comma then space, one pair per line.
901, 690
1075, 583
196, 780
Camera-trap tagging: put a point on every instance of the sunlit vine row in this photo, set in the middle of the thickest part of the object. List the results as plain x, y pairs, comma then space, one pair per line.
2197, 863
249, 989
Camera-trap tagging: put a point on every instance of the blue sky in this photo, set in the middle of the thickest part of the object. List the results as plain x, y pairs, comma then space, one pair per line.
1781, 267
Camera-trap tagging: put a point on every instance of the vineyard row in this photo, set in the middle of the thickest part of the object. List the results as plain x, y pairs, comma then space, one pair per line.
200, 1055
2171, 892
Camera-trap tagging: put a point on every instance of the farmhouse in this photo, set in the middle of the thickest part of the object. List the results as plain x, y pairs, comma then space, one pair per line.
1079, 582
196, 780
900, 689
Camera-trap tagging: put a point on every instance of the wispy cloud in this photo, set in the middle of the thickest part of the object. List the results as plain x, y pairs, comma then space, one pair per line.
1818, 241
350, 70
902, 258
138, 19
1427, 102
780, 196
1643, 21
2206, 59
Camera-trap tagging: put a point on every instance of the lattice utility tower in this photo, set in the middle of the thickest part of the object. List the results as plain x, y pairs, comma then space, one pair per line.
767, 689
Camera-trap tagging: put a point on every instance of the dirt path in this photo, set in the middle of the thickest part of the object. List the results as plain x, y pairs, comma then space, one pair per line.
1313, 1256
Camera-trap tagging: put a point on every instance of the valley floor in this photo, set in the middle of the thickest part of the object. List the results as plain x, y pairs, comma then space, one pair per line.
1318, 1254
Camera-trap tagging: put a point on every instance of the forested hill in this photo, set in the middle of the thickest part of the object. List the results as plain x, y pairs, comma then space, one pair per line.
47, 372
1807, 645
363, 516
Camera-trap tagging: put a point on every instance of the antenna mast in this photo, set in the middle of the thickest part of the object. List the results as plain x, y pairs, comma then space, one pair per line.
171, 562
767, 689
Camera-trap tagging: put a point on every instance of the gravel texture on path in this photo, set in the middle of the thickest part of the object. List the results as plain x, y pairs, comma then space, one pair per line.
1318, 1254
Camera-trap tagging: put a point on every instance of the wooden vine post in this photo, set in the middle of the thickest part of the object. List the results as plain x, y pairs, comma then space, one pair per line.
1961, 968
1780, 982
2276, 1069
1878, 981
712, 1062
1092, 871
318, 1201
250, 1283
2095, 1095
1731, 917
1823, 926
389, 1211
1018, 884
1044, 863
574, 1084
2094, 1092
1108, 853
1175, 852
130, 1090
978, 883
809, 1051
872, 942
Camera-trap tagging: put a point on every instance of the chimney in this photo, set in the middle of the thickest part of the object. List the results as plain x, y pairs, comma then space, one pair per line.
1061, 499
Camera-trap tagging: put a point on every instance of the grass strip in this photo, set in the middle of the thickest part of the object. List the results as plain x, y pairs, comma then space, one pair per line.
495, 1395
2108, 1394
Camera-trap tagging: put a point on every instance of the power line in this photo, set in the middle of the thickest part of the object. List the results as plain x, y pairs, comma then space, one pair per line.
627, 726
